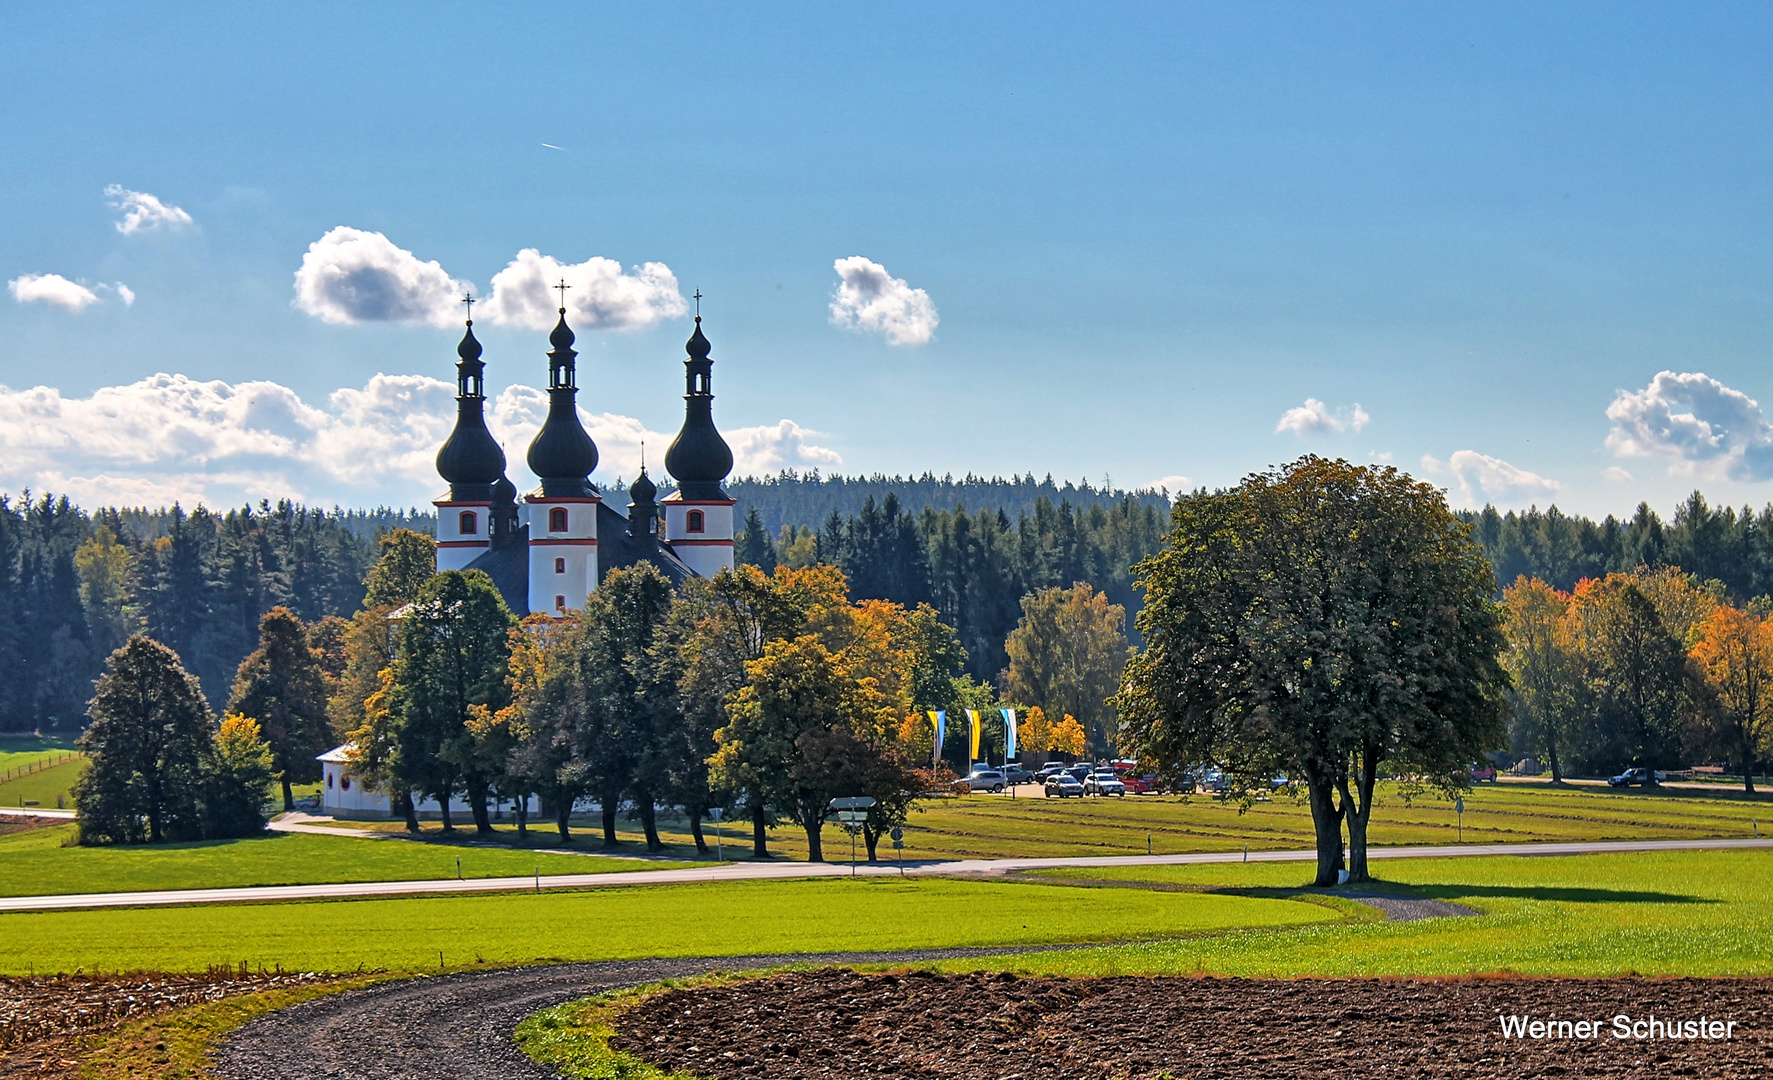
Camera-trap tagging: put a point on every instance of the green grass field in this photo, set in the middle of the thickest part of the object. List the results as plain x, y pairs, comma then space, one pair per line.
995, 826
44, 786
1666, 913
36, 863
729, 918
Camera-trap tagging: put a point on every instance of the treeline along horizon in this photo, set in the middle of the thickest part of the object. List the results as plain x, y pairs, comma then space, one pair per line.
74, 584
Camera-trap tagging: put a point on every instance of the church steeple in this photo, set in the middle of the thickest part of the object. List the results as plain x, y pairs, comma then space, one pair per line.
563, 455
699, 459
470, 460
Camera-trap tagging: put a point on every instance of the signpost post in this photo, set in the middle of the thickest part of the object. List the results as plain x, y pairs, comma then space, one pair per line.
899, 846
1459, 808
719, 852
852, 812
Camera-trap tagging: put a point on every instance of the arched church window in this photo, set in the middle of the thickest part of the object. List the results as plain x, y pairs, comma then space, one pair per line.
469, 522
560, 603
557, 519
345, 783
560, 566
693, 521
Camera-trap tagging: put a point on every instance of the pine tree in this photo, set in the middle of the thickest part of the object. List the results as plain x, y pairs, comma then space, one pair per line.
146, 745
407, 562
754, 547
281, 686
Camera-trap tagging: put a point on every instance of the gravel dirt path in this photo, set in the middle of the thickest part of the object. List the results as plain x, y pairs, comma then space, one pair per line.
458, 1027
835, 1024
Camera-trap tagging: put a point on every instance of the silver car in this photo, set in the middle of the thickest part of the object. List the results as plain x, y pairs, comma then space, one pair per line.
986, 780
1103, 782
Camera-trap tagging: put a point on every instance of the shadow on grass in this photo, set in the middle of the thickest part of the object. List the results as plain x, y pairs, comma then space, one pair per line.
1561, 894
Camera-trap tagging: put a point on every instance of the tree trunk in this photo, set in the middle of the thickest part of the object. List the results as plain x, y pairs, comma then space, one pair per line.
871, 837
1326, 822
404, 803
649, 822
561, 813
815, 847
522, 816
759, 834
288, 795
1551, 752
1359, 813
1748, 763
477, 806
443, 806
609, 822
695, 816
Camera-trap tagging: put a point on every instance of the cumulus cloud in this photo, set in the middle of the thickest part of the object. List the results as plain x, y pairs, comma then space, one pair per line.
125, 294
868, 298
1700, 425
353, 276
170, 437
1316, 418
52, 289
1174, 485
143, 212
600, 294
1480, 478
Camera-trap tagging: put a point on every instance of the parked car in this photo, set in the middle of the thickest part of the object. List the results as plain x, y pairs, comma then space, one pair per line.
1640, 776
1049, 769
1016, 774
986, 780
1064, 785
1143, 785
1104, 782
1080, 771
1482, 773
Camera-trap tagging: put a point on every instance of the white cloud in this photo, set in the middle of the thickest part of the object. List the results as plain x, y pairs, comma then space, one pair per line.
1480, 479
126, 294
143, 212
171, 437
1316, 418
353, 276
869, 298
1175, 485
1616, 475
1701, 425
52, 289
600, 295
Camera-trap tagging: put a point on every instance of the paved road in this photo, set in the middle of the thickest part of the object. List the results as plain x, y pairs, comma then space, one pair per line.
758, 871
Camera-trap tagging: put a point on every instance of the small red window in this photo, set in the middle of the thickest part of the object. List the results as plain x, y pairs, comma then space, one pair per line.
470, 523
344, 783
560, 566
329, 781
560, 603
693, 521
557, 519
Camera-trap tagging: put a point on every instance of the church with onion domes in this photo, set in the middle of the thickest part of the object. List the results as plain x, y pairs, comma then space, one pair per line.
548, 550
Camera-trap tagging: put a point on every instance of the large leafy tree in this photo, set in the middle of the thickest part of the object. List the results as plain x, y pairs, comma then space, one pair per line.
1735, 650
237, 776
1546, 669
408, 559
1323, 618
1067, 655
282, 686
147, 740
1637, 671
453, 655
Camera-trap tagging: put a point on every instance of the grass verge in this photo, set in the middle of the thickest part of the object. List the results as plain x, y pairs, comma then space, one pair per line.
574, 1037
49, 788
36, 863
630, 922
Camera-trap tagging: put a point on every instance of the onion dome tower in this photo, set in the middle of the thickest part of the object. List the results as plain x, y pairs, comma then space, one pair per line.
699, 514
563, 513
471, 461
643, 509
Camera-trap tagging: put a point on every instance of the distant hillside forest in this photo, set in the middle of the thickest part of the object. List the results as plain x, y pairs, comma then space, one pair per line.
74, 584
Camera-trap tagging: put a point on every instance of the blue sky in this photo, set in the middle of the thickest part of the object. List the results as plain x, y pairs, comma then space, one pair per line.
1139, 243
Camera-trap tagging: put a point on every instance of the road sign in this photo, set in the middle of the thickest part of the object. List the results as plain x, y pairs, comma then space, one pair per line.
854, 802
898, 834
852, 816
715, 814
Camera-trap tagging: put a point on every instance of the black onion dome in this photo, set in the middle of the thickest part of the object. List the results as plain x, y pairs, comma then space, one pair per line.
699, 459
562, 337
469, 349
503, 490
470, 456
643, 490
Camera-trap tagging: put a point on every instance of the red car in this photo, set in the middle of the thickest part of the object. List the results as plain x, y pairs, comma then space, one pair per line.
1482, 773
1142, 785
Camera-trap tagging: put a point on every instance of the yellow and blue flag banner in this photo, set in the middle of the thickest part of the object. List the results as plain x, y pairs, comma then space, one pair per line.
1009, 733
978, 730
939, 717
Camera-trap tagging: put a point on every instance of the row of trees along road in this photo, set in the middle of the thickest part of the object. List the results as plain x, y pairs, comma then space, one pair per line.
1650, 668
774, 692
1322, 620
